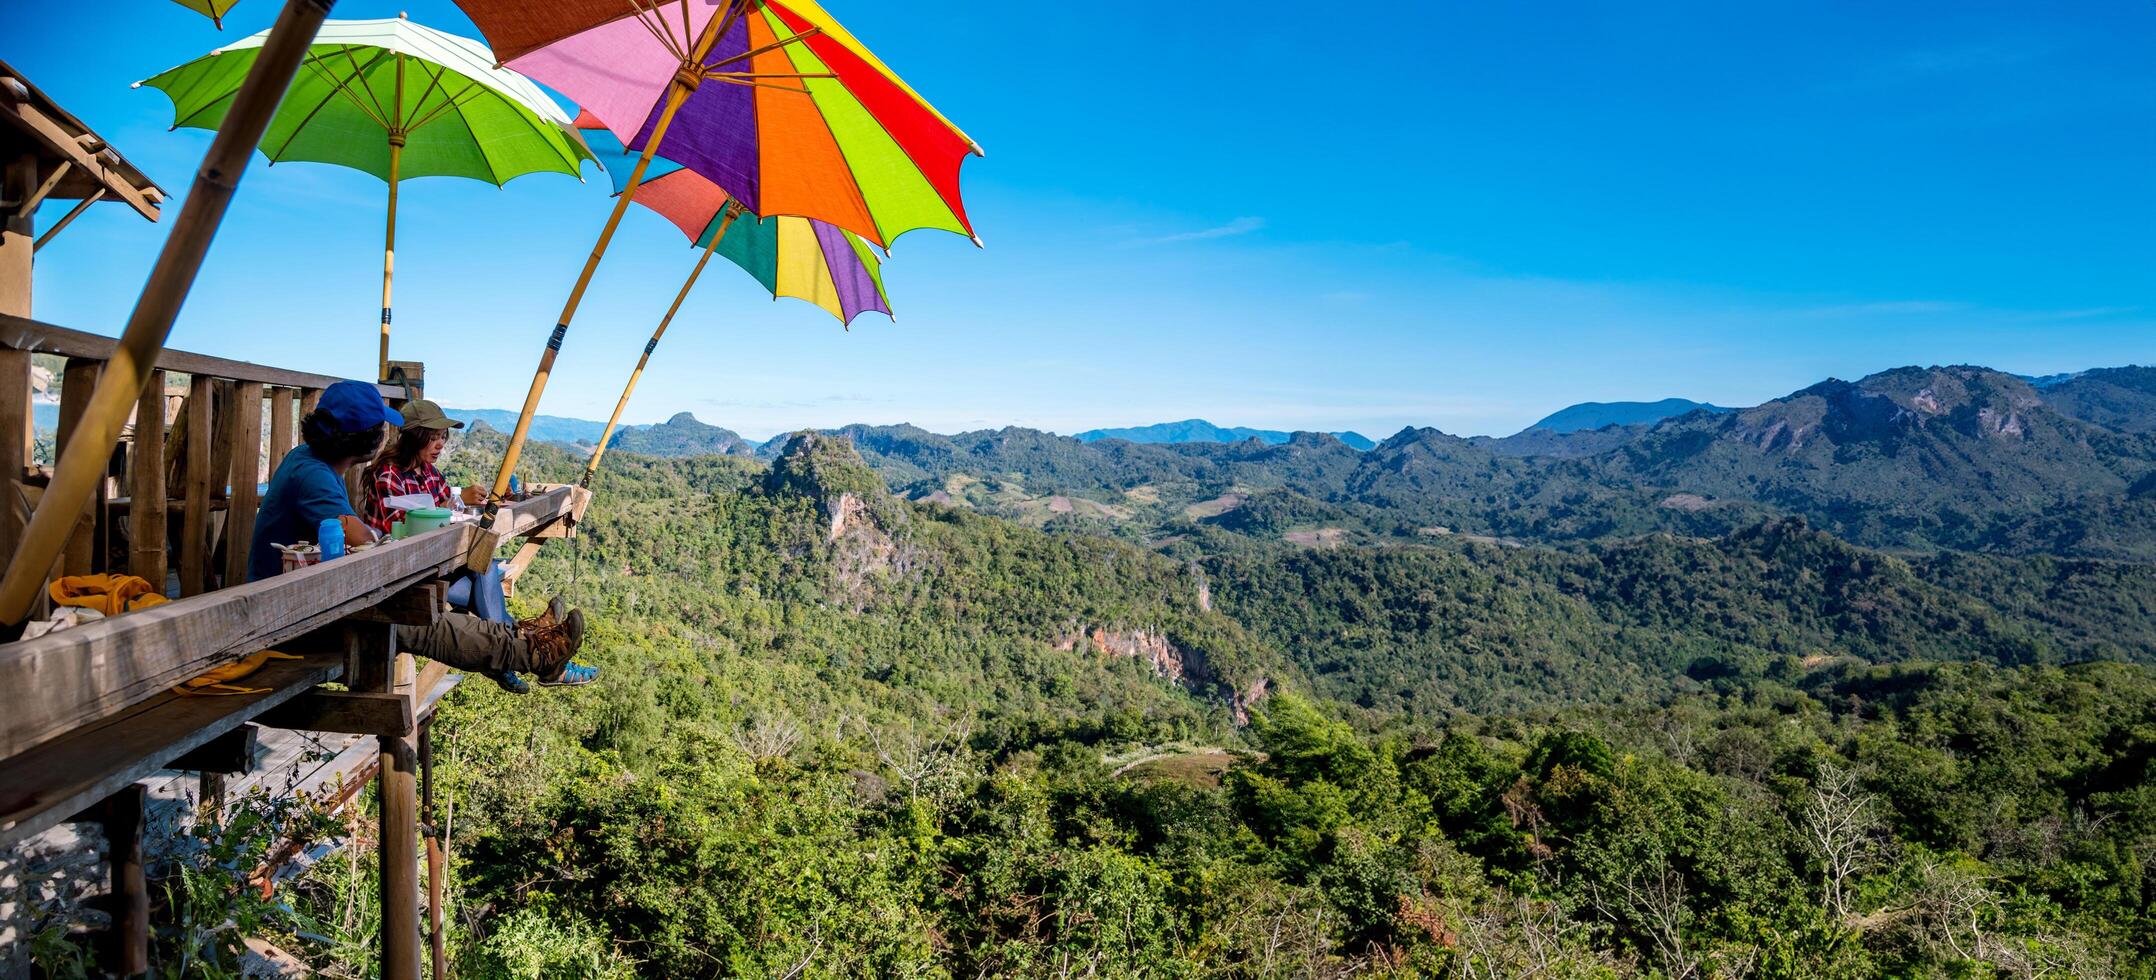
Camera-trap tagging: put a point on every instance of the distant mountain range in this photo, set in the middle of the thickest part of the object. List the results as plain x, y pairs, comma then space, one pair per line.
1914, 458
1596, 415
1199, 430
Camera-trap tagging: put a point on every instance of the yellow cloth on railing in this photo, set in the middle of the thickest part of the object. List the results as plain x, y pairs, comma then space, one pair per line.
218, 682
108, 594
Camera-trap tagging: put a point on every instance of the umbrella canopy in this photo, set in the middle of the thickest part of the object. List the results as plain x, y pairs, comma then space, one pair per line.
799, 257
365, 81
397, 100
788, 112
213, 9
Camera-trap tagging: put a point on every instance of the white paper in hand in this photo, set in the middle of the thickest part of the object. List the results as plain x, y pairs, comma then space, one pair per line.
410, 501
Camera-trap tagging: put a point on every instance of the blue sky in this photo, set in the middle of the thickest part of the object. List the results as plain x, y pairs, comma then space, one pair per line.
1454, 214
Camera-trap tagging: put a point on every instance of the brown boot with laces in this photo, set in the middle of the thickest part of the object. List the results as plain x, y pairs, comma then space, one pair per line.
556, 611
550, 648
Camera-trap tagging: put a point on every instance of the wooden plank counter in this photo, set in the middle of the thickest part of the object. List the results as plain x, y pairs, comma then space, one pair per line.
67, 680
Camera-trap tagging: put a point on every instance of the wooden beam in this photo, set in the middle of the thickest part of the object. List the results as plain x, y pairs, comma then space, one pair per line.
14, 441
344, 712
127, 943
420, 605
146, 529
281, 426
86, 673
19, 332
195, 476
18, 177
515, 568
49, 132
244, 438
77, 382
231, 754
66, 775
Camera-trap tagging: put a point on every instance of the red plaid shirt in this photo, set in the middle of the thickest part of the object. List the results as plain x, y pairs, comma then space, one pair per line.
392, 481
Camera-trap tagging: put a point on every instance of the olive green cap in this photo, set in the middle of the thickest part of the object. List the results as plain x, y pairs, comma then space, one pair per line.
420, 413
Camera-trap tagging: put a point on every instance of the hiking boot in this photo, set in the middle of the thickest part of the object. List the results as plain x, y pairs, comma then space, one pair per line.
556, 611
549, 648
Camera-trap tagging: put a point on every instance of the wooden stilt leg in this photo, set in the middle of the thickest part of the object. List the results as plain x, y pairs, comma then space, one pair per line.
127, 946
373, 660
437, 870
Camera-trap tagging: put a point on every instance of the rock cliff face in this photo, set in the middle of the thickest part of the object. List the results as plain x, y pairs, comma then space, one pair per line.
1189, 668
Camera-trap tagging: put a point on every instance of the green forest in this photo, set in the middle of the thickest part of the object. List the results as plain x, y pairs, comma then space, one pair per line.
845, 734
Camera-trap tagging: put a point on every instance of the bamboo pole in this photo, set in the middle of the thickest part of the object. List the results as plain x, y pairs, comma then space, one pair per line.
677, 92
592, 468
119, 387
389, 234
437, 942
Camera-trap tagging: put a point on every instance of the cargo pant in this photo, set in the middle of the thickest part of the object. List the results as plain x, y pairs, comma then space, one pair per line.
467, 642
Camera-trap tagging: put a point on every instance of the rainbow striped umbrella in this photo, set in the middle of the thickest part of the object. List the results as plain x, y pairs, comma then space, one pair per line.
799, 257
803, 258
772, 100
785, 109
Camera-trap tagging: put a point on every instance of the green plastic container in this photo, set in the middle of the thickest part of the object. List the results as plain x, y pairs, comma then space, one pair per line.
424, 519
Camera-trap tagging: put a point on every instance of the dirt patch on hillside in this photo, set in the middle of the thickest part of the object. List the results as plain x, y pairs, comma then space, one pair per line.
1324, 537
1203, 769
1214, 507
1690, 503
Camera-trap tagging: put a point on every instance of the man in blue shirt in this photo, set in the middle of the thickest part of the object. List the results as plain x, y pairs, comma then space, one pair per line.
344, 430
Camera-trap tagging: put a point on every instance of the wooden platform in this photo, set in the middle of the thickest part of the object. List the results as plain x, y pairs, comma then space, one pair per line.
63, 777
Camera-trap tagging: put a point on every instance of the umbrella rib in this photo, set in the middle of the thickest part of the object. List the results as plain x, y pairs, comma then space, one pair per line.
734, 10
688, 34
340, 85
472, 90
382, 113
773, 46
656, 30
434, 84
752, 83
334, 87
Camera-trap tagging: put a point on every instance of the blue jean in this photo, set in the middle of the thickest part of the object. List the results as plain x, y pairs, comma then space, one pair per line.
481, 595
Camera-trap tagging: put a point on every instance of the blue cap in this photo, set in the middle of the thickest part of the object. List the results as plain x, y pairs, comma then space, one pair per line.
356, 407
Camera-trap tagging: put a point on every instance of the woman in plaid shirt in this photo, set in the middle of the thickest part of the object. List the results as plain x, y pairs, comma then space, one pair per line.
408, 468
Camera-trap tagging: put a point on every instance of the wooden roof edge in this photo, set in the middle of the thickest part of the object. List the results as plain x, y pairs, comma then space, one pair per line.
67, 137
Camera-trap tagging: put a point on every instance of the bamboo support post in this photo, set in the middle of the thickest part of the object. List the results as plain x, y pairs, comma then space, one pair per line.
81, 460
591, 468
146, 487
677, 92
389, 234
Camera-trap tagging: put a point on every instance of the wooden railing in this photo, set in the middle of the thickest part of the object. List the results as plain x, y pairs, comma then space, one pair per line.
216, 428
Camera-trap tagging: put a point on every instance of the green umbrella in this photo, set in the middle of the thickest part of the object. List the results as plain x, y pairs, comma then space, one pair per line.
213, 9
396, 100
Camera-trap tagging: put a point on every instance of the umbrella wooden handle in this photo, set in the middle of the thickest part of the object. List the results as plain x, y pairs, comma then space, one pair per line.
677, 92
599, 452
